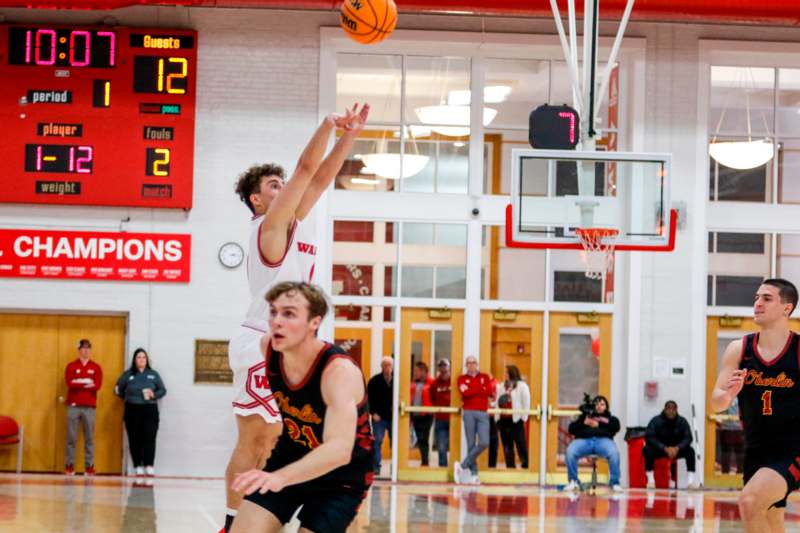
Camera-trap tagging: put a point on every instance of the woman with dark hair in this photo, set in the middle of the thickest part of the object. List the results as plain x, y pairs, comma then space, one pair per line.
141, 386
513, 393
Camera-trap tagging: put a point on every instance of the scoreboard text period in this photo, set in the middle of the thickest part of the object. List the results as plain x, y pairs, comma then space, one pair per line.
97, 116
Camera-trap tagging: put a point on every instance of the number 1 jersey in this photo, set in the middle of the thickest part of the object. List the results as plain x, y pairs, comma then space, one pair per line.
769, 402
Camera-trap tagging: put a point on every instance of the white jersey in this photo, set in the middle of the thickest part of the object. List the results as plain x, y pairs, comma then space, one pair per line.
297, 264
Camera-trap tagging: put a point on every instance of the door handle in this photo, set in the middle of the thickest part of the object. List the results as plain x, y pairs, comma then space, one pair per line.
426, 409
719, 418
551, 412
60, 399
535, 412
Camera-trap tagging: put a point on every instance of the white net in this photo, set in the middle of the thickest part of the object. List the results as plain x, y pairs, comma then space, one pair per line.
598, 250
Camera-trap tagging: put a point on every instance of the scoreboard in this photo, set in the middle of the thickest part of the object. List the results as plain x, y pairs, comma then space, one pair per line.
97, 116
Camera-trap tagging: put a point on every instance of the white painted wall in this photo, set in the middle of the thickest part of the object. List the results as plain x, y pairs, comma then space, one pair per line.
258, 100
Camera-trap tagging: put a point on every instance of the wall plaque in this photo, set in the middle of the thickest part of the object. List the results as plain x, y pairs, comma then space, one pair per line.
211, 362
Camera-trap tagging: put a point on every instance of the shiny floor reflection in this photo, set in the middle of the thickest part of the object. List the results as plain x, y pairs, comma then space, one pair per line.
32, 503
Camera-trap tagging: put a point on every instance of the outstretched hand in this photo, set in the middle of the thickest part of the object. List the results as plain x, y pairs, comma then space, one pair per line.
353, 119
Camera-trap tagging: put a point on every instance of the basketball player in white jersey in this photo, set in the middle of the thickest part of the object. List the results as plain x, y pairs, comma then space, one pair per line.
282, 248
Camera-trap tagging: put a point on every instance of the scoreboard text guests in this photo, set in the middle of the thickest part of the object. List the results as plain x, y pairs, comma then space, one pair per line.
97, 116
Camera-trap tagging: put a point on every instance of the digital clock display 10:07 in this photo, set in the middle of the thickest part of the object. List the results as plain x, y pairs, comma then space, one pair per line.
62, 47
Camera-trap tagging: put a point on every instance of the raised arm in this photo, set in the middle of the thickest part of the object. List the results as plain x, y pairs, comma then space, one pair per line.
342, 391
730, 380
281, 212
332, 164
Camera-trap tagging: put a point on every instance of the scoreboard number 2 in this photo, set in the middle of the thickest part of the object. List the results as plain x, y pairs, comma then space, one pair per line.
158, 160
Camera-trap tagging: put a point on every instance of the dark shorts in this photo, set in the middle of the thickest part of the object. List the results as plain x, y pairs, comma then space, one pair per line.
325, 510
785, 463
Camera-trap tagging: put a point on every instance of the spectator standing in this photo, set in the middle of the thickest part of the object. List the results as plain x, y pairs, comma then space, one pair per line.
421, 397
476, 388
379, 393
141, 387
594, 435
668, 435
513, 393
440, 397
84, 378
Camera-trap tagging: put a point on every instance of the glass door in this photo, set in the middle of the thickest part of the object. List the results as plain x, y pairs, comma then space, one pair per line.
513, 340
427, 336
579, 361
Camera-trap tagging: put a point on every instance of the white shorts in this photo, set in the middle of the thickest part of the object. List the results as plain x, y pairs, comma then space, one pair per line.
252, 394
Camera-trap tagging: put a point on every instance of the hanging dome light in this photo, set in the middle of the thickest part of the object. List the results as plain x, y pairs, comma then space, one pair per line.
742, 155
388, 165
451, 120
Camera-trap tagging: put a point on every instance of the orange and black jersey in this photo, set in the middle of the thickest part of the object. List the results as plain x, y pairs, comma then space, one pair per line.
769, 402
303, 412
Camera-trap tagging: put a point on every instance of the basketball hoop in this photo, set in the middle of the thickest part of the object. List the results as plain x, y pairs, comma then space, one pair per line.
598, 250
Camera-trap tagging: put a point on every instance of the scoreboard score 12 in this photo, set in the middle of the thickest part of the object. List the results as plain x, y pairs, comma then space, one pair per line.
97, 116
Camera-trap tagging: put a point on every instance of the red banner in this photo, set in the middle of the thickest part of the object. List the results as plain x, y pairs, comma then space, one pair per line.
151, 257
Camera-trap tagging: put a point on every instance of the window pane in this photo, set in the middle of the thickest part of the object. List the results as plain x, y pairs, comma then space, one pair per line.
742, 95
380, 74
733, 184
579, 369
512, 86
451, 282
576, 287
737, 290
710, 291
789, 257
451, 235
510, 273
364, 263
789, 170
414, 233
418, 281
789, 102
435, 258
352, 231
352, 280
497, 158
431, 84
741, 243
374, 162
443, 165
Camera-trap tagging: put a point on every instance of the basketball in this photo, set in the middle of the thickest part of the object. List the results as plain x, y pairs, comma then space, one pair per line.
368, 21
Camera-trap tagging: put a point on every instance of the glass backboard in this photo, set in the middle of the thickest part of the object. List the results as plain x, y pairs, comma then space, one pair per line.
555, 192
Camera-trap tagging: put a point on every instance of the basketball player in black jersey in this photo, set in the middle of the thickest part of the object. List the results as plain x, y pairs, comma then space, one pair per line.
323, 458
763, 371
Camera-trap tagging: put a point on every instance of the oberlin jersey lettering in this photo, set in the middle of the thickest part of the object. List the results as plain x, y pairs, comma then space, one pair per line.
303, 411
769, 402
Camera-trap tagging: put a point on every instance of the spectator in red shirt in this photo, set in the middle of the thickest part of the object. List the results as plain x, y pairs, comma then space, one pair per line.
84, 378
476, 388
440, 396
421, 396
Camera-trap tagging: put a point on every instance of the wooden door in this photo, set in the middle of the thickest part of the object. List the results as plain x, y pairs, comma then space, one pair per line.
514, 338
579, 361
417, 343
29, 383
357, 342
37, 348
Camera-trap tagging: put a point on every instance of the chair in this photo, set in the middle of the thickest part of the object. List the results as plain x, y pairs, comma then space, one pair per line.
665, 472
593, 460
11, 433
